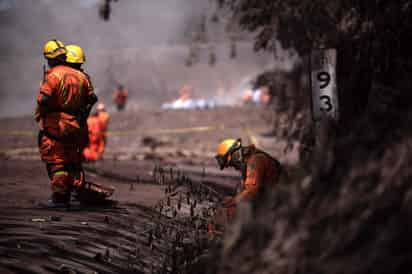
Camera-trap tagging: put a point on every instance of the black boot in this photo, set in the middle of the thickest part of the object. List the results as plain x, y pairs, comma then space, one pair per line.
59, 200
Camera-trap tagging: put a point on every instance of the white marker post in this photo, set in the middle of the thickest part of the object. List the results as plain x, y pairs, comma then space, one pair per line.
323, 84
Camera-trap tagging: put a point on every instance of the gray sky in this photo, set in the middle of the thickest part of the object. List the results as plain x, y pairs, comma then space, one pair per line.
142, 46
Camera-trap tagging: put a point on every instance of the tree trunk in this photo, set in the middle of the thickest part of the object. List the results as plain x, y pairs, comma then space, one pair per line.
354, 77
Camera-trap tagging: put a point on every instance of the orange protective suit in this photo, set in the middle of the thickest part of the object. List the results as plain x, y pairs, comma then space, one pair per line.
120, 98
95, 149
62, 96
104, 118
261, 173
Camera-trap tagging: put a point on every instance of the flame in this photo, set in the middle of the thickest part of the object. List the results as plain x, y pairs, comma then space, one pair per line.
258, 96
185, 93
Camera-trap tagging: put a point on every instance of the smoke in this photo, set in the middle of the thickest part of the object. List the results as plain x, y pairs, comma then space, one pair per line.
6, 4
143, 46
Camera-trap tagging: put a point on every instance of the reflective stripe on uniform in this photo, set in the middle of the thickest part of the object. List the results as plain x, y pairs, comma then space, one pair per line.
61, 172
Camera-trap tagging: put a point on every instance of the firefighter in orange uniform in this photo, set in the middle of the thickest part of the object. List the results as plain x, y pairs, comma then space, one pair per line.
104, 118
63, 104
260, 171
120, 97
94, 150
97, 125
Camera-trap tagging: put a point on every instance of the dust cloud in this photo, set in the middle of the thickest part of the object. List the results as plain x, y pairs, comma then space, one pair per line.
143, 46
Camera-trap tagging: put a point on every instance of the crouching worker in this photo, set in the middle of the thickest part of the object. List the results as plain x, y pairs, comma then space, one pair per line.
260, 173
64, 101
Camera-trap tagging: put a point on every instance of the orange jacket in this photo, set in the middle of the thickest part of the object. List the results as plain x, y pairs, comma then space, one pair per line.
67, 89
61, 97
120, 96
95, 149
104, 118
262, 172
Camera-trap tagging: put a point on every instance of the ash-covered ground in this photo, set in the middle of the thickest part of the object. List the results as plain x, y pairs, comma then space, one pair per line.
346, 209
167, 187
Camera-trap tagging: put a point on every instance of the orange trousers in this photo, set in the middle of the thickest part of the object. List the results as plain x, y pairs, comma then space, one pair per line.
65, 177
63, 164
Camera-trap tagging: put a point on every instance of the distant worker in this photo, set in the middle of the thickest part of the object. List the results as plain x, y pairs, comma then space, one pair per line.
95, 149
260, 171
103, 115
104, 118
120, 97
63, 104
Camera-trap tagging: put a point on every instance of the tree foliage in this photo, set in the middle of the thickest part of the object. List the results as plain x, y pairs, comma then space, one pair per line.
373, 39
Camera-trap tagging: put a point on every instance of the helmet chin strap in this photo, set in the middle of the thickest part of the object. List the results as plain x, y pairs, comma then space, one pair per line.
237, 159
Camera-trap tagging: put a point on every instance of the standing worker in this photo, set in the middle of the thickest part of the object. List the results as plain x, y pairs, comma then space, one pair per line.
95, 149
97, 124
64, 101
120, 97
260, 171
104, 119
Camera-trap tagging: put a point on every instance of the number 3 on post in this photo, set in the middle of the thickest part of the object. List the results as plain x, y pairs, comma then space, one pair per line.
326, 103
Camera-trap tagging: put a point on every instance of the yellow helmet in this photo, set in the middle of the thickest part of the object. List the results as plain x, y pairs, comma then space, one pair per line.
53, 48
225, 150
75, 54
